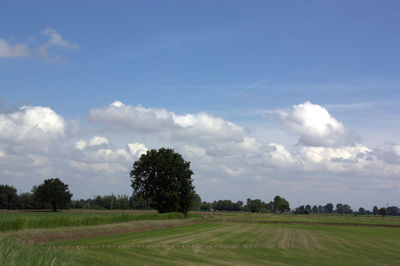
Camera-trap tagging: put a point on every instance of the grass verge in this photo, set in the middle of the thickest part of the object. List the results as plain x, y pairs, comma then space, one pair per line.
19, 221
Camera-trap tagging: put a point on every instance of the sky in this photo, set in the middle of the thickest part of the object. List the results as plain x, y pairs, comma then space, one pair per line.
292, 98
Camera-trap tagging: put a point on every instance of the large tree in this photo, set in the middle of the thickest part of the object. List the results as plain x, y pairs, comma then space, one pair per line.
54, 192
281, 204
164, 178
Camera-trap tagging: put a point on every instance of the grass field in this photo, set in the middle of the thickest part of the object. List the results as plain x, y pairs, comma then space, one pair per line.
223, 239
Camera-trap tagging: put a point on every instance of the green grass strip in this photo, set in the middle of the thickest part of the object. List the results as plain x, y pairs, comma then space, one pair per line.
12, 222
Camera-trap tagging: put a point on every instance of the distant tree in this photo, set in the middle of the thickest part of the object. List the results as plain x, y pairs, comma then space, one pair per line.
26, 201
196, 202
299, 210
308, 207
255, 205
361, 210
123, 202
314, 209
99, 202
137, 202
328, 208
76, 204
269, 206
110, 202
280, 204
223, 205
339, 208
393, 211
382, 211
54, 192
164, 177
347, 209
8, 197
206, 206
238, 206
375, 210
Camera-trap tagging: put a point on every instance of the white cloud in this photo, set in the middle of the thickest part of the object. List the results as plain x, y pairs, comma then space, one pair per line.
33, 123
98, 140
10, 50
316, 126
118, 116
137, 149
81, 144
57, 40
279, 156
219, 150
335, 159
43, 49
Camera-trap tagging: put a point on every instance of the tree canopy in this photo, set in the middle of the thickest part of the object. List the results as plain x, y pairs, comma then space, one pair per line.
280, 204
8, 197
164, 178
54, 192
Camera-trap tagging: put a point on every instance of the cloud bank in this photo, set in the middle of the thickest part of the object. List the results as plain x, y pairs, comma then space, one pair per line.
228, 160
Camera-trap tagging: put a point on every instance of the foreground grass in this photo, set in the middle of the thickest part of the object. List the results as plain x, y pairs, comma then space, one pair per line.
223, 239
14, 253
10, 221
237, 243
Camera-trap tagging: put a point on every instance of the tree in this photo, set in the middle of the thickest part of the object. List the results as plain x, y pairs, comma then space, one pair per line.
26, 201
164, 178
8, 197
138, 202
393, 210
54, 192
382, 211
206, 206
255, 205
375, 210
339, 208
196, 202
280, 204
328, 208
238, 206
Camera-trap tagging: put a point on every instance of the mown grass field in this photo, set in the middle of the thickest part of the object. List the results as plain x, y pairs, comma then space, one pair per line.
222, 239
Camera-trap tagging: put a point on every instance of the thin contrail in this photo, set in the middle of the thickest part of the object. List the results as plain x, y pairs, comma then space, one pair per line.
253, 85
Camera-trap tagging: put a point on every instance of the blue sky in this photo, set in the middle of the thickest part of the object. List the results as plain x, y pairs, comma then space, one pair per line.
249, 63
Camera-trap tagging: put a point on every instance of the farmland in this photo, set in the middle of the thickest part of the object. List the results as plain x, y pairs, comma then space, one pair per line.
204, 238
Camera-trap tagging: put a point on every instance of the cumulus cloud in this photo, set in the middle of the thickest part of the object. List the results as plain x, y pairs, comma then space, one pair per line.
316, 126
118, 116
13, 50
336, 159
278, 156
31, 123
98, 155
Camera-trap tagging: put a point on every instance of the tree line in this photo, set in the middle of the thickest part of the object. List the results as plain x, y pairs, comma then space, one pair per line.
161, 180
10, 199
